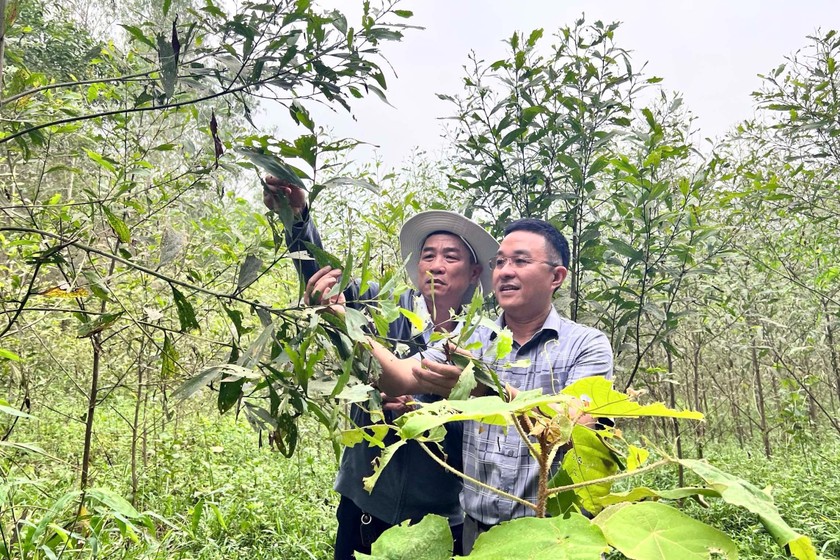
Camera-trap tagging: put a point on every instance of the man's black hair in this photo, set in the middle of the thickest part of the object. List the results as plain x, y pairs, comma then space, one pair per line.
556, 242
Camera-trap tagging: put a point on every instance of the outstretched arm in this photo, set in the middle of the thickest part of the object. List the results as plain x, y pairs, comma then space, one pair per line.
409, 376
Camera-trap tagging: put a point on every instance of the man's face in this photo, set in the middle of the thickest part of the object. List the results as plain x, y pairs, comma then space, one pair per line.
445, 269
527, 290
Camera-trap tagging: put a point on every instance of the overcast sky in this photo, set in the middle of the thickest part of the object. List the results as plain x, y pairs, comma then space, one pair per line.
709, 50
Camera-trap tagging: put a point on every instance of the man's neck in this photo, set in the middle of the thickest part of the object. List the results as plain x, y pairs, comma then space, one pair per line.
524, 328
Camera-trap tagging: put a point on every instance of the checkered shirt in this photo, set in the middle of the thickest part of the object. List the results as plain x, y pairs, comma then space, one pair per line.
560, 353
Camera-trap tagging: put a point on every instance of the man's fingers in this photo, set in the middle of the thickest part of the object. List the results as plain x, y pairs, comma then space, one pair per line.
439, 378
320, 285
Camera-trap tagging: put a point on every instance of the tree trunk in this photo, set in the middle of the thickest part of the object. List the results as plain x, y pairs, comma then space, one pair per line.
832, 350
91, 410
672, 398
700, 429
135, 425
759, 398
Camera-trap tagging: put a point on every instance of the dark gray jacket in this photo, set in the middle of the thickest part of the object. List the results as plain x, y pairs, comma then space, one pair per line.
412, 485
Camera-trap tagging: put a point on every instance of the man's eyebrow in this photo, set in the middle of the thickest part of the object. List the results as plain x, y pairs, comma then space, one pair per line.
518, 252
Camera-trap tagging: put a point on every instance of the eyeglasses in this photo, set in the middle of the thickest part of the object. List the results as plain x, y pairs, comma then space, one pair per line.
515, 262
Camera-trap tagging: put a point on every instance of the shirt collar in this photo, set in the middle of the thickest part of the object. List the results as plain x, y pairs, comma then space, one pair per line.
552, 322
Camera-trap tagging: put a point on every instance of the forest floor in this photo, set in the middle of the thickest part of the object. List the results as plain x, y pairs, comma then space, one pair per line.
219, 494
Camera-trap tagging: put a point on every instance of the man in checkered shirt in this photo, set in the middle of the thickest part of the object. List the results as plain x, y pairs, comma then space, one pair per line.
529, 267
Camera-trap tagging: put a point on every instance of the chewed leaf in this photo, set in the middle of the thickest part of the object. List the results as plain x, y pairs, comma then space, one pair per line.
380, 463
601, 399
430, 539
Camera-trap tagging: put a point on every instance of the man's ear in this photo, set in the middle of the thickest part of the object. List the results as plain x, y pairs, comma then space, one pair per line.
559, 275
476, 273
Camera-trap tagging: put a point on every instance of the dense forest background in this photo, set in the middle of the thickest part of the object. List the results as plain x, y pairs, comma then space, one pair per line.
135, 253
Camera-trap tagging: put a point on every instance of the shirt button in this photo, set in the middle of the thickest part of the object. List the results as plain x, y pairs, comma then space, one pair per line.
510, 453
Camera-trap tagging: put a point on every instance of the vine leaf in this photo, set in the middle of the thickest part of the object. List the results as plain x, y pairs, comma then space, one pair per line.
654, 531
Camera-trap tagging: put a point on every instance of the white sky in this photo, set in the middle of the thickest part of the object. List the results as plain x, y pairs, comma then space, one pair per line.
709, 50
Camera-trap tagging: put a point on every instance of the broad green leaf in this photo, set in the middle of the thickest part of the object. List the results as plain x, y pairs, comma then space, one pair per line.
430, 539
636, 457
489, 410
8, 355
380, 463
114, 501
602, 400
118, 226
186, 313
345, 279
642, 493
273, 164
98, 325
355, 393
102, 161
96, 285
654, 531
554, 538
504, 343
741, 493
589, 459
511, 136
622, 248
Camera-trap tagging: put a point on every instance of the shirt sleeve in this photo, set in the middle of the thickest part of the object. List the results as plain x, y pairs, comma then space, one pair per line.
595, 358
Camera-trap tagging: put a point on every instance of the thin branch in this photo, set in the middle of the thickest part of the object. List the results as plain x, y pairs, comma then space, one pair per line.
456, 472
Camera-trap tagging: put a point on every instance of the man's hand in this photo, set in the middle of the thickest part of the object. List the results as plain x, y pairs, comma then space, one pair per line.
274, 189
321, 283
436, 378
398, 405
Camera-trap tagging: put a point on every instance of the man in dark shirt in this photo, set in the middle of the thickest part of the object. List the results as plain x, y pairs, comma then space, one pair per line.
445, 253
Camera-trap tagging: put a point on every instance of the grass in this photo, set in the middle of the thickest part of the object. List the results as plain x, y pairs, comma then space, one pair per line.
222, 496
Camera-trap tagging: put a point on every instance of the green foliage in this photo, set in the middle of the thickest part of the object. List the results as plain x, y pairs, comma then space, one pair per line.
429, 539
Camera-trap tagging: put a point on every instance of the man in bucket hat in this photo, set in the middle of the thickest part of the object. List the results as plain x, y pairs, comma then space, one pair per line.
445, 253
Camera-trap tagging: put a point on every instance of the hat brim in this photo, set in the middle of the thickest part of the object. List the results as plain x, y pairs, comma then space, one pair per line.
417, 228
